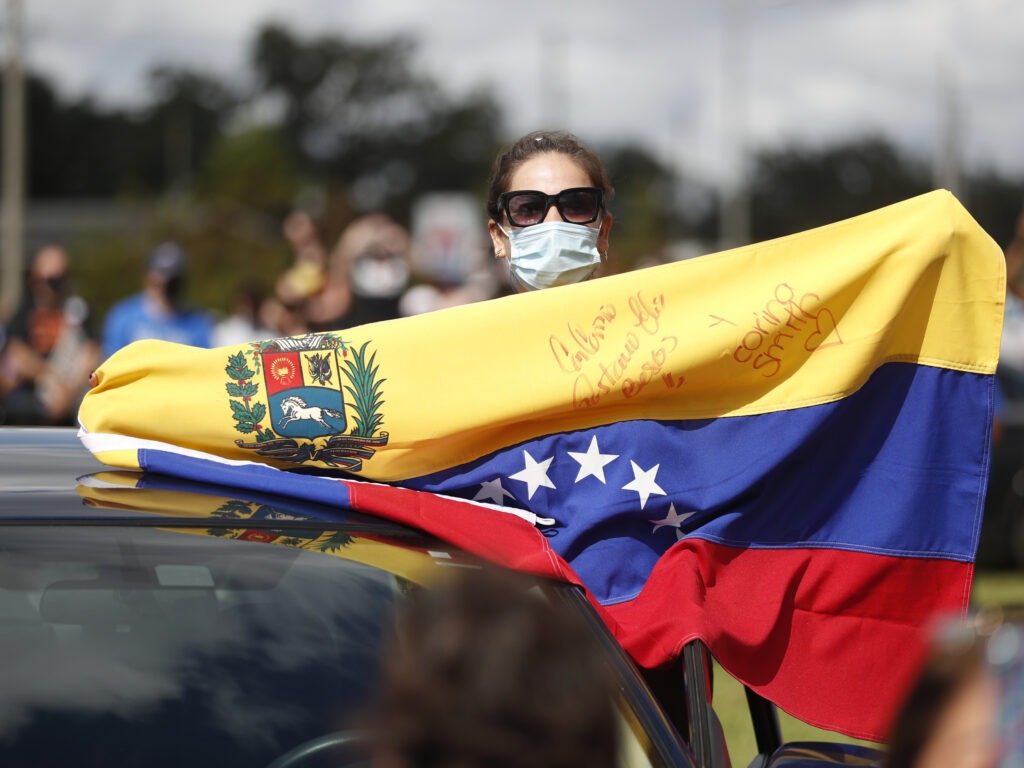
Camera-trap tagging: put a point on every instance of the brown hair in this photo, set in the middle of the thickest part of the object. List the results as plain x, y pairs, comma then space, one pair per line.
487, 674
538, 143
956, 657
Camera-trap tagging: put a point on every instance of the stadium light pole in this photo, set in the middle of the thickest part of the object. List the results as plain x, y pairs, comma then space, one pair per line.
12, 214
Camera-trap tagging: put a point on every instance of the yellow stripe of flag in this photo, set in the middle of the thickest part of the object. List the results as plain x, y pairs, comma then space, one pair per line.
796, 321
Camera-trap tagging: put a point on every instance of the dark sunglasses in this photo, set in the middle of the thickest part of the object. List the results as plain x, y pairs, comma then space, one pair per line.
579, 205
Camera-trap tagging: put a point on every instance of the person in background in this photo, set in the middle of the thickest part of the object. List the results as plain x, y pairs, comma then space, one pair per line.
1011, 349
371, 258
547, 203
1002, 525
304, 295
245, 323
50, 347
485, 673
158, 311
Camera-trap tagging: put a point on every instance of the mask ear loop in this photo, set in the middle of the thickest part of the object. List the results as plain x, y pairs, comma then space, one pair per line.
518, 286
508, 260
600, 223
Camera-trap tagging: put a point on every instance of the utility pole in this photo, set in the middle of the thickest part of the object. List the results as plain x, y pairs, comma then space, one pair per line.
946, 163
12, 215
946, 172
554, 95
734, 189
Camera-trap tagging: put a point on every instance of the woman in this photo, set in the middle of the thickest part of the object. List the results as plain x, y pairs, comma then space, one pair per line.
547, 205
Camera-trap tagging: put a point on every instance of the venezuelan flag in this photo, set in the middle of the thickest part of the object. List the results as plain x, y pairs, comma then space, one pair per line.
781, 449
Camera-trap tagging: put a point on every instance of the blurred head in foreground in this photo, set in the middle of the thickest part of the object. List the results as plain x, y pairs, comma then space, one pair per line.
966, 709
486, 672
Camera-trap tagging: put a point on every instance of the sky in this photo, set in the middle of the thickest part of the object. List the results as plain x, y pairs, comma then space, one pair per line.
695, 81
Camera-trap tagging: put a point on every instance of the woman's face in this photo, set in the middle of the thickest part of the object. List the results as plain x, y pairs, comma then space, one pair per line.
550, 173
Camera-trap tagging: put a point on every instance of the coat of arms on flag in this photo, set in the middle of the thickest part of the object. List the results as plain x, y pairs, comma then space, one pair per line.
298, 412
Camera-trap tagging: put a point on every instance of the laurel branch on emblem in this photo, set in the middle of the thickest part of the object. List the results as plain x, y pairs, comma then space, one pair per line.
246, 413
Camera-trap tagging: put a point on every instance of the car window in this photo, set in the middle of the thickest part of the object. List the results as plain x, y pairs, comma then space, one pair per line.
137, 645
169, 650
635, 747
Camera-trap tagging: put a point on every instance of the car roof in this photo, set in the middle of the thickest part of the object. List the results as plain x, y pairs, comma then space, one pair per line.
42, 460
48, 477
46, 473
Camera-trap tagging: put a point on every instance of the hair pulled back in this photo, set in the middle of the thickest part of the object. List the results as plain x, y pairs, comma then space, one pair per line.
539, 143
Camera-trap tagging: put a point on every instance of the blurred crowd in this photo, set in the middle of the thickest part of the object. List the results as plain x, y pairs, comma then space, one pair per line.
1002, 536
54, 340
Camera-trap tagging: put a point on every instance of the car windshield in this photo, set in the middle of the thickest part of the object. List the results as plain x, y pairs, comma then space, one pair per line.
141, 645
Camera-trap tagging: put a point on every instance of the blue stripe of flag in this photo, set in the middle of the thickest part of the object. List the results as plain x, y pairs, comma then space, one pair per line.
897, 468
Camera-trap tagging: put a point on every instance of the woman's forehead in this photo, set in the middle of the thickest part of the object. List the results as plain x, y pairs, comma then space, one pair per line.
550, 172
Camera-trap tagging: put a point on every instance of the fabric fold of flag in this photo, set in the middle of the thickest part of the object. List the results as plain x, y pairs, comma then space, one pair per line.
781, 449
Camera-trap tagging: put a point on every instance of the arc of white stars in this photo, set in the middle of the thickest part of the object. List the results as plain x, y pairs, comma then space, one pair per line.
643, 483
593, 462
534, 474
672, 520
492, 491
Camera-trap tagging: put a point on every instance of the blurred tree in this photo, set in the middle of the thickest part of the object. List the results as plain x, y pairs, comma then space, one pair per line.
78, 149
182, 124
996, 202
645, 216
356, 113
250, 168
75, 149
796, 188
358, 125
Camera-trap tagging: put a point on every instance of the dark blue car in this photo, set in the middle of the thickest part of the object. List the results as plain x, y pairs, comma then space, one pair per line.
148, 621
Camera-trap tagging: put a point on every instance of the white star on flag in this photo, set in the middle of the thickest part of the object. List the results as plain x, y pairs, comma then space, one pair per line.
643, 483
492, 491
672, 520
593, 461
534, 474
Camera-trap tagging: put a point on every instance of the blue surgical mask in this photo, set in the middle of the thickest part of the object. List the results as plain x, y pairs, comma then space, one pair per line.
552, 253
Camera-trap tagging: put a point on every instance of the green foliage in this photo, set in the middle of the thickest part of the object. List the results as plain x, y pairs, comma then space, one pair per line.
359, 113
798, 188
247, 414
216, 166
238, 370
365, 389
252, 169
644, 215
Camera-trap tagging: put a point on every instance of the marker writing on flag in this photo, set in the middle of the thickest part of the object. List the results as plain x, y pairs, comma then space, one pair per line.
586, 343
783, 320
629, 366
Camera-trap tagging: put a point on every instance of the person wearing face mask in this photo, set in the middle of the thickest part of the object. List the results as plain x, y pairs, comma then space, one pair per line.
50, 347
547, 202
158, 311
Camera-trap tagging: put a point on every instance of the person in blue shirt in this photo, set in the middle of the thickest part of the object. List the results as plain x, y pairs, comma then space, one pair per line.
158, 310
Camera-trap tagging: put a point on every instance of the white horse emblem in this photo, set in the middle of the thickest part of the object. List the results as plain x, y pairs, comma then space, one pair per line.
294, 408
